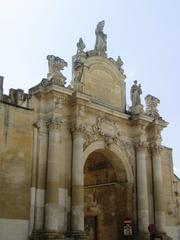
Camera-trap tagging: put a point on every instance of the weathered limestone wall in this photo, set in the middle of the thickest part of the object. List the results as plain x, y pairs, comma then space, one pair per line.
15, 171
169, 196
176, 190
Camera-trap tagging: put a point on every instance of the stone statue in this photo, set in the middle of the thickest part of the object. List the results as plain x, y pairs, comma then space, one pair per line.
56, 64
78, 65
136, 91
80, 46
135, 94
119, 63
101, 38
151, 106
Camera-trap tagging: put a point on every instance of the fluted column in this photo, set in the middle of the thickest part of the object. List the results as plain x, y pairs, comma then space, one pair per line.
142, 188
53, 169
158, 188
77, 181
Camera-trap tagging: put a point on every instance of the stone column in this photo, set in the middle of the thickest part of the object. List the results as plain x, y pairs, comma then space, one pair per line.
142, 188
158, 188
39, 183
52, 182
33, 181
77, 220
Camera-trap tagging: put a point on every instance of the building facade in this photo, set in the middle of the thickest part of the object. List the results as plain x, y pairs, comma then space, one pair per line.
76, 163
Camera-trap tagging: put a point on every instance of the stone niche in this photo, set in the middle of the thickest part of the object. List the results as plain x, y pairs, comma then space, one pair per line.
103, 81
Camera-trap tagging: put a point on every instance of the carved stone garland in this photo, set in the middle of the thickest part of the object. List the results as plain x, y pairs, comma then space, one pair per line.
95, 133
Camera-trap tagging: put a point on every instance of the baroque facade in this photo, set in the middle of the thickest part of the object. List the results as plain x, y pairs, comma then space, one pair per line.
75, 162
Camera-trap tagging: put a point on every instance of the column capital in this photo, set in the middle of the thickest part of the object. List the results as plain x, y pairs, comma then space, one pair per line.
54, 123
78, 129
40, 124
141, 144
155, 147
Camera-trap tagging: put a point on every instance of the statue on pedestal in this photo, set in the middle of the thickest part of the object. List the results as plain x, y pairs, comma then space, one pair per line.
135, 94
78, 64
136, 91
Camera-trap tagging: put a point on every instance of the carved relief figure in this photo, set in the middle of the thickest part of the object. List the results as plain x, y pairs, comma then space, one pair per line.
101, 38
135, 94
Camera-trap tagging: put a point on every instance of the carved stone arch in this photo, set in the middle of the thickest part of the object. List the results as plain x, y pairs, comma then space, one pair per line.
108, 189
116, 155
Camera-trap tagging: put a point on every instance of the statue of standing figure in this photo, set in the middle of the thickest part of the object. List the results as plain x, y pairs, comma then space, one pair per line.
135, 94
101, 38
136, 91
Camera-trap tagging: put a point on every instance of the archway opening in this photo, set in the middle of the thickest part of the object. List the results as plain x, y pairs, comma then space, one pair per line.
105, 196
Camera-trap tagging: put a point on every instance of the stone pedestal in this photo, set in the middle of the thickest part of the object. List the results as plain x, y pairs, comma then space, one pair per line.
48, 235
142, 189
77, 235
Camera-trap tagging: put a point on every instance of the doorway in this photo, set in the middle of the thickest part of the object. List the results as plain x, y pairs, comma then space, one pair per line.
105, 197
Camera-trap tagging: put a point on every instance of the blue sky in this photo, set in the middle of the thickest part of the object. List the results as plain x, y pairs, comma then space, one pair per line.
145, 33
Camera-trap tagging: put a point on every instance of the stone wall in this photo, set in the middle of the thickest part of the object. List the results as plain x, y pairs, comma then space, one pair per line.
15, 174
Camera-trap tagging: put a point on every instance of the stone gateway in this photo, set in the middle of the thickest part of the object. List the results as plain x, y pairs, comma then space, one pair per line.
75, 163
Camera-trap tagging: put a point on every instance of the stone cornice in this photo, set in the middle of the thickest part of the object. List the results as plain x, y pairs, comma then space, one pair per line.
141, 119
160, 123
40, 89
86, 100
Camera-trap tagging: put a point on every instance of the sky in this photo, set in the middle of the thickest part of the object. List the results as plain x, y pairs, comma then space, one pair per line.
144, 33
